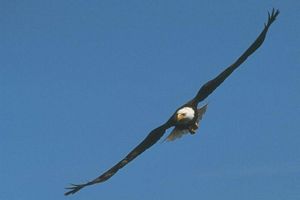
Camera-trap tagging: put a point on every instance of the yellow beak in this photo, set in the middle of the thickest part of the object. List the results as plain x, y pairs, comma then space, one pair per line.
180, 117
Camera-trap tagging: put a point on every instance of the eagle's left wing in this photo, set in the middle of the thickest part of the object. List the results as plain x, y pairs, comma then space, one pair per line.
150, 140
211, 85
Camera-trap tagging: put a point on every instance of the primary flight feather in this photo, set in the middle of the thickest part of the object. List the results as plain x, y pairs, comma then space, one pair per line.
186, 118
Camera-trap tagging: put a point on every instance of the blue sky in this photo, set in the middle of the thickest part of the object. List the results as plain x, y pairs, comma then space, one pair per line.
83, 82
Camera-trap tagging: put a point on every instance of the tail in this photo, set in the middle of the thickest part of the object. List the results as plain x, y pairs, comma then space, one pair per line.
201, 111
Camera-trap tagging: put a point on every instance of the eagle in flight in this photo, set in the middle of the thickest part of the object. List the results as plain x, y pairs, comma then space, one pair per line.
186, 118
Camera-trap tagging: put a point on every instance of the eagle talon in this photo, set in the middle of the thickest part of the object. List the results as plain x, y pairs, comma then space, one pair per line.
193, 128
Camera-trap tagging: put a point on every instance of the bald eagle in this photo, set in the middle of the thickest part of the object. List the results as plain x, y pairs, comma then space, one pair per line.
186, 118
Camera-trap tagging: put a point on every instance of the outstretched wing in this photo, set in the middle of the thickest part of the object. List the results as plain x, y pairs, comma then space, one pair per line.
151, 139
211, 85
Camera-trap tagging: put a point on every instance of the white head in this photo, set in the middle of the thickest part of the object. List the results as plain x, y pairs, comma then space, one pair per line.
185, 114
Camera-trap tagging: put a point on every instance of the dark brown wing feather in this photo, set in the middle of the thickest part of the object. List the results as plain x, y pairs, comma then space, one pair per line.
150, 140
211, 85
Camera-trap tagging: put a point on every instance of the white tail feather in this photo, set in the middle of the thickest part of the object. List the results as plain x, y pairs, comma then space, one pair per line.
176, 133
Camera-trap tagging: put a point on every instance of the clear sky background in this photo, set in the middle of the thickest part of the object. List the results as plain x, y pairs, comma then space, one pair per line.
83, 82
